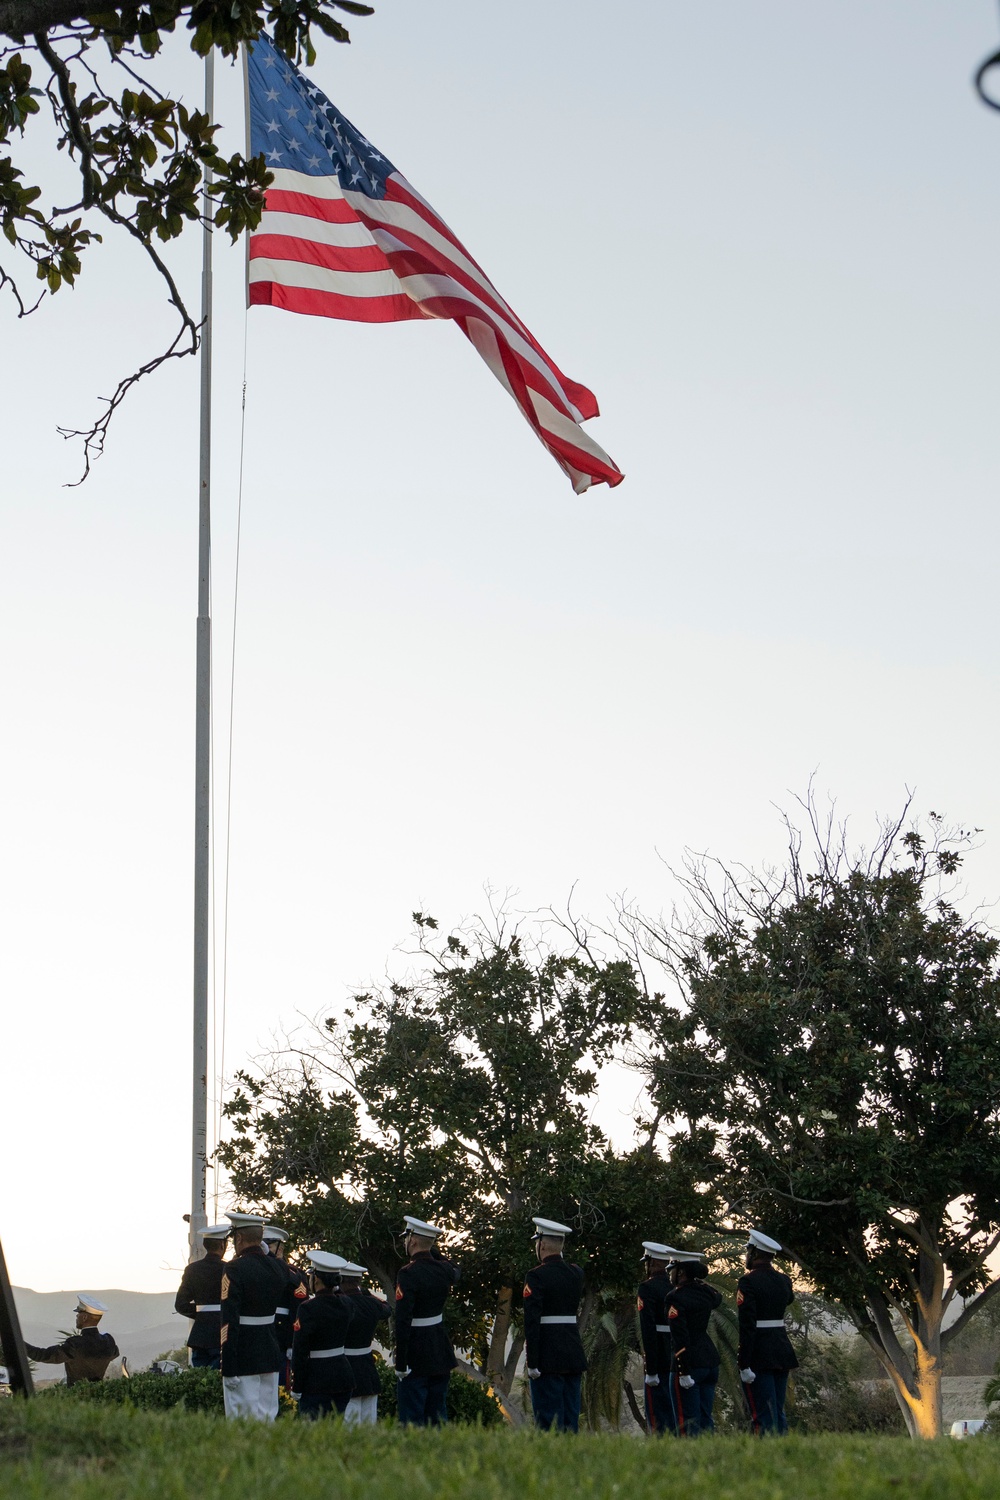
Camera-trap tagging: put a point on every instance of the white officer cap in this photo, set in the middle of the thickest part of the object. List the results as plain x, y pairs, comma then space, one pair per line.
653, 1250
216, 1232
550, 1230
326, 1261
274, 1234
245, 1221
350, 1269
758, 1241
90, 1304
417, 1226
686, 1257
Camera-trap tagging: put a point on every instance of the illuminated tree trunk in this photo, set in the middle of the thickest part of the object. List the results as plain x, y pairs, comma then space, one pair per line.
916, 1376
919, 1395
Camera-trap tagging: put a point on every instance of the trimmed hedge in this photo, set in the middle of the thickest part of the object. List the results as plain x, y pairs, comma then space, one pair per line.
468, 1401
201, 1390
194, 1390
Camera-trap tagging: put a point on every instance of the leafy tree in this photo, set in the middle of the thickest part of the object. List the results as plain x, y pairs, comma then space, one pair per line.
838, 1048
466, 1095
140, 155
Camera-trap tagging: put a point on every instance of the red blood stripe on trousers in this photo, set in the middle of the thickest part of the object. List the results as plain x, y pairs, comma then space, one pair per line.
753, 1408
308, 252
299, 299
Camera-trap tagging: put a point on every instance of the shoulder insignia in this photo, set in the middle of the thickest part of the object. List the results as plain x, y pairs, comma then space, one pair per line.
527, 1289
225, 1287
301, 1292
673, 1313
639, 1304
399, 1293
739, 1299
297, 1326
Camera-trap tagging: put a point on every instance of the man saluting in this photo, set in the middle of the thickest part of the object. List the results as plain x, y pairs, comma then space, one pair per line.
654, 1330
424, 1356
252, 1288
199, 1297
321, 1372
553, 1353
766, 1354
367, 1312
86, 1353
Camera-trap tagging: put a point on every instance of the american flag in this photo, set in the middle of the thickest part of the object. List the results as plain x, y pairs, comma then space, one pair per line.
344, 235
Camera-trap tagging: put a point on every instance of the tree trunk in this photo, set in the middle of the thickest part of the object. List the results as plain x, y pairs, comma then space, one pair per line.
919, 1396
513, 1359
514, 1416
916, 1378
496, 1360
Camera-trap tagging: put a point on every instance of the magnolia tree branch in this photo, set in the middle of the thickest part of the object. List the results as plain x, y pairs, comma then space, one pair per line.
968, 1312
185, 341
22, 309
22, 18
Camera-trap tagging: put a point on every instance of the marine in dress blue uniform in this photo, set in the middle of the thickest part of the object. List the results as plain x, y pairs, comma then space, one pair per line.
322, 1378
252, 1287
424, 1355
86, 1353
553, 1352
654, 1332
367, 1312
765, 1350
199, 1297
694, 1359
276, 1240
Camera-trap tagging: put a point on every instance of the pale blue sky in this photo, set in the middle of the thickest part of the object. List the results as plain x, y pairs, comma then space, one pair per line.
767, 237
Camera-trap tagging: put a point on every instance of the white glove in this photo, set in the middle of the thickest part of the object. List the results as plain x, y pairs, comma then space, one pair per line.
687, 1381
748, 1376
296, 1395
534, 1374
652, 1379
402, 1374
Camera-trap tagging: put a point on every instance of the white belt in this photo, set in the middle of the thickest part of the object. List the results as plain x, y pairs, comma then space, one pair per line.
208, 1307
326, 1353
663, 1327
560, 1318
281, 1312
770, 1322
257, 1322
356, 1353
427, 1322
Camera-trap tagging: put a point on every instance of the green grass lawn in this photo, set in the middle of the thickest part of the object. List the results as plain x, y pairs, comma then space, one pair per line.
79, 1451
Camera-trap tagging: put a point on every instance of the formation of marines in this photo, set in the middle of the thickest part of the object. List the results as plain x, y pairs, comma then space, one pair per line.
263, 1322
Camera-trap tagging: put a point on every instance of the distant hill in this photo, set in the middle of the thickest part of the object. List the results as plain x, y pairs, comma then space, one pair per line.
143, 1324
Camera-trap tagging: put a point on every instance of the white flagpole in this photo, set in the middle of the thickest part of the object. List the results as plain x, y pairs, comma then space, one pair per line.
203, 765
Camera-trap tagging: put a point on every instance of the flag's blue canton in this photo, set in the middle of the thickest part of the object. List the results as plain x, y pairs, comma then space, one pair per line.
296, 127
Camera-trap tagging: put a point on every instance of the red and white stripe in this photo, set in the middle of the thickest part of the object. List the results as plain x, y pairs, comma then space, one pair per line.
340, 254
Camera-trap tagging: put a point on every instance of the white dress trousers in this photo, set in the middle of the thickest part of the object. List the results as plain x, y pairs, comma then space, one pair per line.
252, 1396
362, 1409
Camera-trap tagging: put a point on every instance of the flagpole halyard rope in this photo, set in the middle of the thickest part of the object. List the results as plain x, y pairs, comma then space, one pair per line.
229, 758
